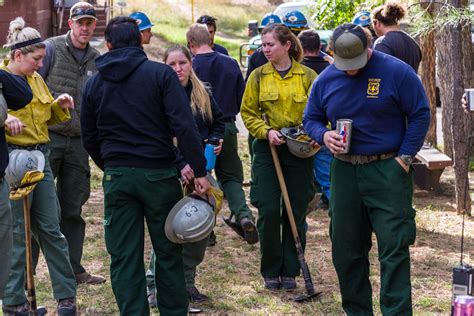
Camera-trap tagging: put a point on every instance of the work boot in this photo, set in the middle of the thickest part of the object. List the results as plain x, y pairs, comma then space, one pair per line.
16, 310
87, 278
67, 307
152, 300
272, 283
250, 231
288, 283
212, 241
195, 296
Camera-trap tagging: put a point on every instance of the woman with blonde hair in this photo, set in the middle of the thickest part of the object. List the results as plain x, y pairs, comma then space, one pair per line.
391, 39
209, 120
280, 89
27, 129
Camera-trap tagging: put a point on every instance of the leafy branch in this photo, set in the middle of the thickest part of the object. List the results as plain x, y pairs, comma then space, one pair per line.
426, 17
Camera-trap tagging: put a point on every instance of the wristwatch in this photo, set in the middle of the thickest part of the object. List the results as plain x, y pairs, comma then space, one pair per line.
407, 159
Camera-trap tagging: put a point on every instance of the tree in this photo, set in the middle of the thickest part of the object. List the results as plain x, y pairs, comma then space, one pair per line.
454, 73
328, 14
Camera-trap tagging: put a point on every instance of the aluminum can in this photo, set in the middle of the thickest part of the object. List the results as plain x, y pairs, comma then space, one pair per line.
463, 306
470, 99
344, 128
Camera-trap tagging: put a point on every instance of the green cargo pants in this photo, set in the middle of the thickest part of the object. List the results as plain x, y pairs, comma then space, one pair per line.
70, 164
44, 210
230, 174
132, 195
277, 247
6, 241
193, 255
374, 197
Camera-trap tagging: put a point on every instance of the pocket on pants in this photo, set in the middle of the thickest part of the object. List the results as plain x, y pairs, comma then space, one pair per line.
254, 192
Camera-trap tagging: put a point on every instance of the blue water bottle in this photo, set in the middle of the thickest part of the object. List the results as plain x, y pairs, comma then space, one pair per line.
209, 153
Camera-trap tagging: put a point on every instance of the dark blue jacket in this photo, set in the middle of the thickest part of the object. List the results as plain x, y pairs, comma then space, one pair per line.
132, 108
17, 93
224, 75
220, 49
206, 129
386, 102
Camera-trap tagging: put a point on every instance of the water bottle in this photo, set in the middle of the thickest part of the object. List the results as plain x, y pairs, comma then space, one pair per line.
212, 142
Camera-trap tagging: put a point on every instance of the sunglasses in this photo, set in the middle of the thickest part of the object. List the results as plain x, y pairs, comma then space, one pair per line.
81, 11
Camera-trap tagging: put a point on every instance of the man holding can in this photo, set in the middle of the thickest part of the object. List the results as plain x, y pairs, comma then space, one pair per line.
371, 185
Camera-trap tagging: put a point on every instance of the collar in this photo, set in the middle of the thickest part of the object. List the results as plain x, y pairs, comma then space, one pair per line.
295, 69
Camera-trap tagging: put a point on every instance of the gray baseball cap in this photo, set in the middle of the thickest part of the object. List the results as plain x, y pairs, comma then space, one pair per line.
350, 47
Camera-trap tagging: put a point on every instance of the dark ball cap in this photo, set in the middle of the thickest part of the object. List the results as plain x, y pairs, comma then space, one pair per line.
350, 47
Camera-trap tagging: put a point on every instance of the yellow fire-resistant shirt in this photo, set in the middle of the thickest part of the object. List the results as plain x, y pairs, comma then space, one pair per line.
282, 99
38, 114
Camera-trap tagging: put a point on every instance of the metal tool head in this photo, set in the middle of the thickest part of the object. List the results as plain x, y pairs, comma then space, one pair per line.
307, 297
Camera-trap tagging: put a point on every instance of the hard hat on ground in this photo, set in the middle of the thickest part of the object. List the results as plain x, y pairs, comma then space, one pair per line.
295, 20
21, 162
143, 21
190, 220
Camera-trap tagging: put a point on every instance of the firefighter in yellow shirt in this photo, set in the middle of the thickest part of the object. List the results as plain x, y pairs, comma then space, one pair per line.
279, 89
27, 129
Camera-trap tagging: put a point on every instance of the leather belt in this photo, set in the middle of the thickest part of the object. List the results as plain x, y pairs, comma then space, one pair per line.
41, 147
363, 159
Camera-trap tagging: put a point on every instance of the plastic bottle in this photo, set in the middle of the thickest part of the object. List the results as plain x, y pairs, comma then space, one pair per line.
209, 153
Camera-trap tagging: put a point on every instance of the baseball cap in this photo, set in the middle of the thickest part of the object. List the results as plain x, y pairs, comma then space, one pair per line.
82, 10
350, 47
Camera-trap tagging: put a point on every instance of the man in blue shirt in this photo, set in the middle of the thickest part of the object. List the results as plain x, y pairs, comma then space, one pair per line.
211, 24
227, 86
371, 186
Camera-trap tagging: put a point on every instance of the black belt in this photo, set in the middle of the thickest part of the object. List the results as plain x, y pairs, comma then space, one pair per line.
363, 159
40, 147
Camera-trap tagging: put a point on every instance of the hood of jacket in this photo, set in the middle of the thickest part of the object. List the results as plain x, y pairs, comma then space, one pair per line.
118, 64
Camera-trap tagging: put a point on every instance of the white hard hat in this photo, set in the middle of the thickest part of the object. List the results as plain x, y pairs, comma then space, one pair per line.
22, 161
191, 219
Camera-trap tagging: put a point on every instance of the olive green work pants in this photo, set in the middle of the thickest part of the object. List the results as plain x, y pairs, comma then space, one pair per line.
132, 195
277, 246
374, 197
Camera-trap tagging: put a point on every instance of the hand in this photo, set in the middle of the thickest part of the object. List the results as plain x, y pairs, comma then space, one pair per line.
65, 101
329, 59
464, 103
314, 143
218, 148
275, 138
187, 174
14, 125
402, 164
333, 142
201, 185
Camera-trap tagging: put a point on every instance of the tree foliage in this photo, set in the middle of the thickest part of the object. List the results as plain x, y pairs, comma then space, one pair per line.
328, 14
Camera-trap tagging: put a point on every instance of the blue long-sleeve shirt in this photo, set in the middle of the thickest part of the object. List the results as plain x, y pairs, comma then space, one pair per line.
226, 80
386, 102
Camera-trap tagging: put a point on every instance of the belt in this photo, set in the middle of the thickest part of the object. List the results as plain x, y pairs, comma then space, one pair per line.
40, 147
363, 159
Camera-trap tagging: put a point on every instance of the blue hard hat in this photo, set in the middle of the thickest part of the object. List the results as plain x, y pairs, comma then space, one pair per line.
295, 19
142, 20
362, 18
270, 18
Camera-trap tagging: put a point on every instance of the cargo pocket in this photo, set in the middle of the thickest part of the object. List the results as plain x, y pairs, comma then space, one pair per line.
254, 191
110, 183
300, 98
165, 183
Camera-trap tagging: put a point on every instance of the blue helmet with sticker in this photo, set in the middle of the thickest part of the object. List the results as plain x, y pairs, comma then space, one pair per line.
295, 20
270, 18
362, 18
142, 20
